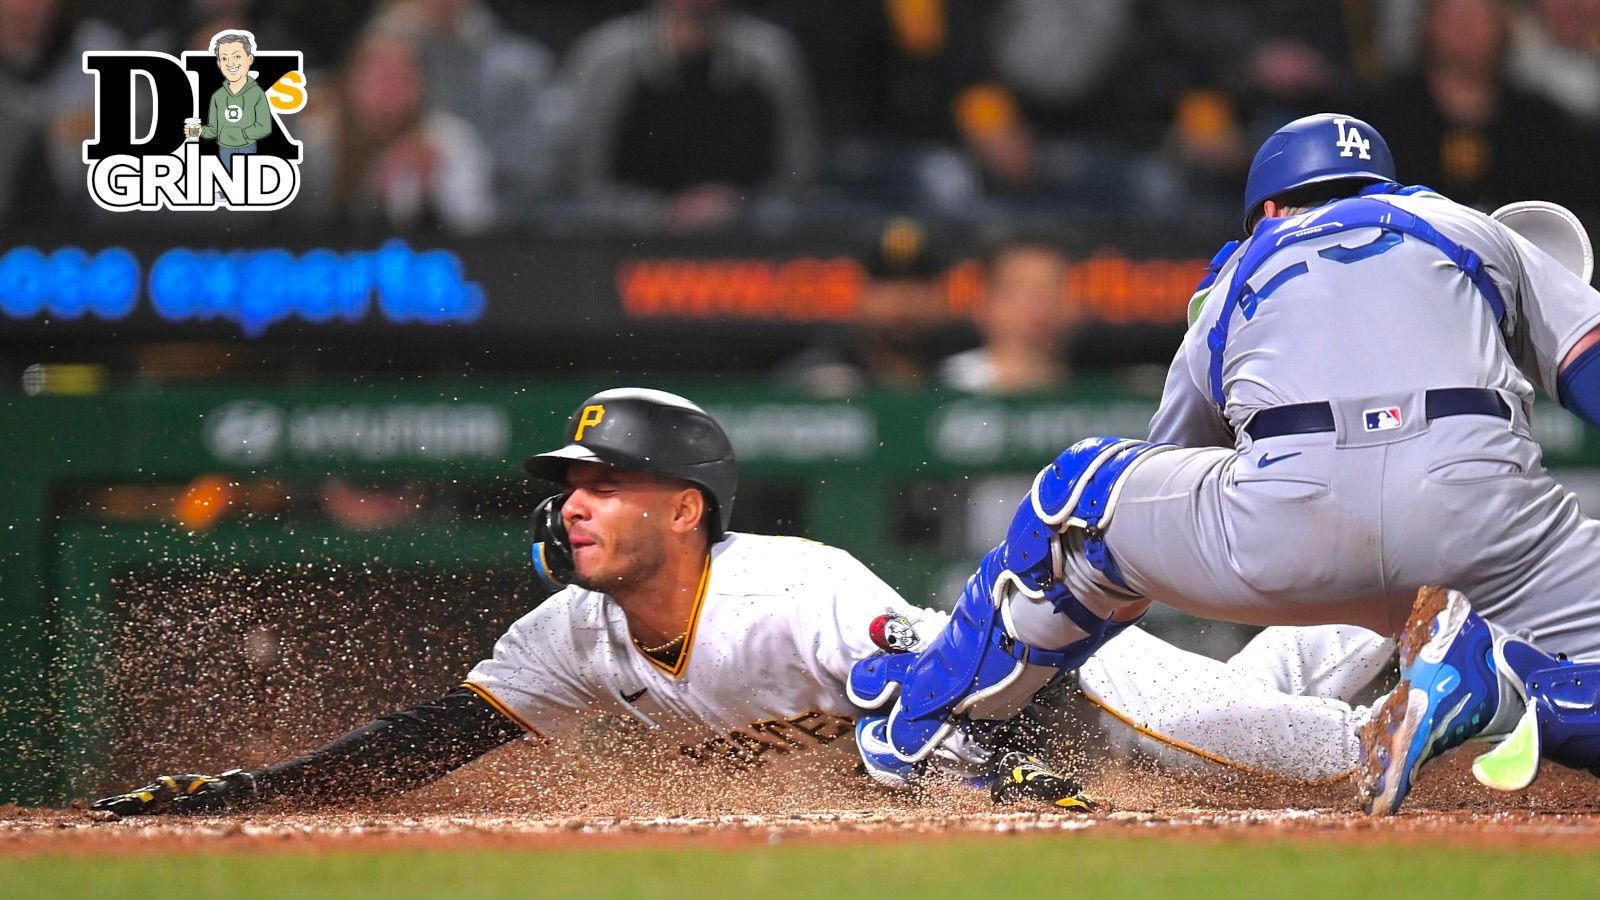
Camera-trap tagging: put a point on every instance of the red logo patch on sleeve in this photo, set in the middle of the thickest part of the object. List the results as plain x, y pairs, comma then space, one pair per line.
893, 632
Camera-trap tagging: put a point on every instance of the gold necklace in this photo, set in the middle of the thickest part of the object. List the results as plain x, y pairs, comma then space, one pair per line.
652, 651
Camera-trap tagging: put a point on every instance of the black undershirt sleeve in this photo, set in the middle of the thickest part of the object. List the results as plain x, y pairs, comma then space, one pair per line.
392, 754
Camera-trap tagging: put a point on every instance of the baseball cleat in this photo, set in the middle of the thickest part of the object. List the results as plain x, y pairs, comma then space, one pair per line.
1021, 778
878, 759
1449, 691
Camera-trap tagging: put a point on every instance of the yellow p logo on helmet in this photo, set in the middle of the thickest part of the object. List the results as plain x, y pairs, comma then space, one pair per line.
590, 417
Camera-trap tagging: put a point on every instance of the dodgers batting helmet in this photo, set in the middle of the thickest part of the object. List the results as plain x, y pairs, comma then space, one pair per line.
644, 430
1321, 148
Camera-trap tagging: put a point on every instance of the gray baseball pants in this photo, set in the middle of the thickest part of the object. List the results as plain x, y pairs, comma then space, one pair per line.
1344, 526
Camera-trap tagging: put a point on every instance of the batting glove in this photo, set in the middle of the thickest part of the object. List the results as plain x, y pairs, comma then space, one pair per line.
1022, 778
184, 795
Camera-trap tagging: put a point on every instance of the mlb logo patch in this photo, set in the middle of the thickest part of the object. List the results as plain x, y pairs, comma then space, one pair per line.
1385, 419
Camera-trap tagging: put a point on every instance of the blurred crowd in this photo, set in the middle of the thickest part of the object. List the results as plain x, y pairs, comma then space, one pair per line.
691, 115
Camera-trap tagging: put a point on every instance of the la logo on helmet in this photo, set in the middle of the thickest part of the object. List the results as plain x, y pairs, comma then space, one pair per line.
1350, 140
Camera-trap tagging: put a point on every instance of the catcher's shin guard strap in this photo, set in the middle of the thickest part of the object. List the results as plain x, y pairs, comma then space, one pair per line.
1098, 629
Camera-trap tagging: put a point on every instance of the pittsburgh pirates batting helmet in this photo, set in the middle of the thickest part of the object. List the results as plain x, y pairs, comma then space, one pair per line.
1316, 149
644, 430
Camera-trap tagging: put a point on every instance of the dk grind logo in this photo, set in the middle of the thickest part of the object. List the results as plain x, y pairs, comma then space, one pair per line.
198, 132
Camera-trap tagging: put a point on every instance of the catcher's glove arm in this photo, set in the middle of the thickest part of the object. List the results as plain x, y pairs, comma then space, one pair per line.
390, 755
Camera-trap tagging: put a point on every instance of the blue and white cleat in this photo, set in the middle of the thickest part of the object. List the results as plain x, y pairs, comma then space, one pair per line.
878, 758
1449, 693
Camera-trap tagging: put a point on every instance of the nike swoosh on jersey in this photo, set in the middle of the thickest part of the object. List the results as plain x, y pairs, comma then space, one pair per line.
629, 698
1267, 460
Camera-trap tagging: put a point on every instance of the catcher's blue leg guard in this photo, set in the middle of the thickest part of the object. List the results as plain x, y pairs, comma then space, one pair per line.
1561, 720
976, 667
1568, 702
875, 681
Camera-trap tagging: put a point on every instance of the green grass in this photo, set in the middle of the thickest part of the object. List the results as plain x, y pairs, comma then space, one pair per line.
1065, 866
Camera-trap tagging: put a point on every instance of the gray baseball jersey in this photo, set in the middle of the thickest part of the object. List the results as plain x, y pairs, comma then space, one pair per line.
1343, 525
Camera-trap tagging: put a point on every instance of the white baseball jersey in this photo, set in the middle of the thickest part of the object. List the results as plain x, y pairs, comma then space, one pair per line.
780, 621
774, 631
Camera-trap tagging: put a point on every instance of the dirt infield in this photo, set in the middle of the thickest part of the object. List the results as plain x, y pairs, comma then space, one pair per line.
505, 802
607, 787
33, 832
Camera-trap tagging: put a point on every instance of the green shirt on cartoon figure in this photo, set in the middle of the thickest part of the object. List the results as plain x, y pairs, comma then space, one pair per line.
239, 114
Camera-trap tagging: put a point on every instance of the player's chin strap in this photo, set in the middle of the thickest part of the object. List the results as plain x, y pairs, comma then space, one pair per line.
977, 668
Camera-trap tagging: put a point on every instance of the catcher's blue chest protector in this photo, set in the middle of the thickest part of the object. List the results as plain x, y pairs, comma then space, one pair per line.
1273, 235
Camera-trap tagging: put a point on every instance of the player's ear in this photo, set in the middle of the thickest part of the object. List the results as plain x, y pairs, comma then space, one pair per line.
688, 510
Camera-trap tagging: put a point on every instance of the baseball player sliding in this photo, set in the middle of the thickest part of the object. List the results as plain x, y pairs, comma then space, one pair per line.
1345, 424
740, 645
733, 644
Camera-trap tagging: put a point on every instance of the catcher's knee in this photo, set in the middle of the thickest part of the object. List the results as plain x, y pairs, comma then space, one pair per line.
1078, 490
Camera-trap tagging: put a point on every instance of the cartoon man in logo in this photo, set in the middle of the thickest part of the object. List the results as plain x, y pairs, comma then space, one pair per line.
239, 114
